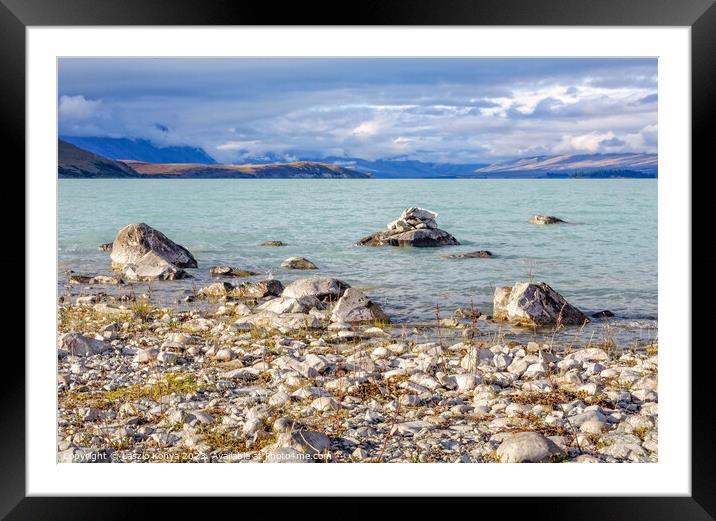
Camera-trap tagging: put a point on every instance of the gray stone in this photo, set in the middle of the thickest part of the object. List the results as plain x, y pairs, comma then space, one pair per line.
298, 263
319, 287
414, 227
545, 219
528, 447
261, 289
290, 305
134, 241
152, 267
76, 344
534, 304
308, 442
228, 271
355, 306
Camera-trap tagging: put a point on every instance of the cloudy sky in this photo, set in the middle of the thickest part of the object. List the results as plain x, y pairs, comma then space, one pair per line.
452, 110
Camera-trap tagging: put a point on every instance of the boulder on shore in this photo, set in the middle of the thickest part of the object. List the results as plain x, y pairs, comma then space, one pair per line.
152, 267
260, 289
283, 322
320, 287
529, 447
134, 241
76, 278
76, 344
282, 305
298, 263
415, 227
534, 304
545, 219
355, 306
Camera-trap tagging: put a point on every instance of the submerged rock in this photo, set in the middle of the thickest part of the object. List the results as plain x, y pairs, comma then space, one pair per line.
545, 219
603, 314
481, 254
134, 241
271, 243
298, 263
415, 227
534, 305
319, 287
107, 246
228, 271
355, 306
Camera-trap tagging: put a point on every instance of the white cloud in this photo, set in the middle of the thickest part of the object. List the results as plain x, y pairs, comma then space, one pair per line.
590, 143
78, 107
366, 129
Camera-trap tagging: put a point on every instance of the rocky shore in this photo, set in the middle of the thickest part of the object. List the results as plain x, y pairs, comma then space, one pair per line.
314, 371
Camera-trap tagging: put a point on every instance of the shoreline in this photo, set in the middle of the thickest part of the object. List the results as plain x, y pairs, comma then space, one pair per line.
158, 384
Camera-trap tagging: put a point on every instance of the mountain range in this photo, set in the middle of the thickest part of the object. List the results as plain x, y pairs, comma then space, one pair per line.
140, 150
74, 162
78, 163
146, 158
568, 164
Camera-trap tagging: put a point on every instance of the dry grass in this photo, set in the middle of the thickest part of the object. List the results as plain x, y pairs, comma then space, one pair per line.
558, 397
180, 383
386, 390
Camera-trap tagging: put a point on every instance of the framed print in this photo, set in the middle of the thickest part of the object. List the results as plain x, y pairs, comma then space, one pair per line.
422, 247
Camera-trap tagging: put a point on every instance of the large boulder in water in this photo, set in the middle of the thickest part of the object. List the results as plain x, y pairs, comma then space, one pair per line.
414, 227
319, 287
534, 304
134, 241
355, 306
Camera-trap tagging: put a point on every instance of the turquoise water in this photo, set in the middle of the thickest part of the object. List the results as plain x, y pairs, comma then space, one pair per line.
605, 258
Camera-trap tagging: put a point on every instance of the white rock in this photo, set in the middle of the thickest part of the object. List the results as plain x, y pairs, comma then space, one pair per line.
324, 404
528, 447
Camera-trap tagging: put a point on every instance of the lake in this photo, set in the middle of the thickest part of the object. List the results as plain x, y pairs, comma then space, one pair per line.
604, 258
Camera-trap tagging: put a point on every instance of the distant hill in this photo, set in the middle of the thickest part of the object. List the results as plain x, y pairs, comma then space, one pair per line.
78, 163
294, 170
406, 168
140, 150
546, 166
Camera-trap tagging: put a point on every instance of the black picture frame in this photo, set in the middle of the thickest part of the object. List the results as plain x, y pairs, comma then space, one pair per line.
699, 15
